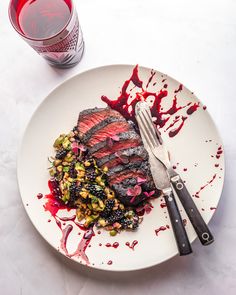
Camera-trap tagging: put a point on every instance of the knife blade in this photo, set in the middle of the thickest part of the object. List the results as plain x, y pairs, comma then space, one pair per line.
162, 183
161, 153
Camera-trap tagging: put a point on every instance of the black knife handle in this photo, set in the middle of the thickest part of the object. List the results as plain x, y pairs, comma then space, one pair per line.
181, 237
192, 211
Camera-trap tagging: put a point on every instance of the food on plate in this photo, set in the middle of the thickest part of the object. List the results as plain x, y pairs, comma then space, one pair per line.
115, 144
101, 169
79, 183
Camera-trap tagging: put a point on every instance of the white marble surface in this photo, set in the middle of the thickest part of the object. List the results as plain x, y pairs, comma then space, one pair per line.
193, 41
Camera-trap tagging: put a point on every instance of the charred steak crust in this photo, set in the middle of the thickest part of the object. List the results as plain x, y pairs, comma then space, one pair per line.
122, 137
136, 151
136, 166
85, 138
89, 112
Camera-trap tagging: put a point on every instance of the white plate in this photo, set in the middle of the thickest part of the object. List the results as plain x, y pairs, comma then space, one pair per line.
194, 148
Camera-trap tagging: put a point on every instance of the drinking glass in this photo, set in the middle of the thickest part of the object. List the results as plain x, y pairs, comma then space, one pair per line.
51, 27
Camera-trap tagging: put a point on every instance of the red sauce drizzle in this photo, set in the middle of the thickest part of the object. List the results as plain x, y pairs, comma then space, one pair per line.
175, 131
179, 89
82, 246
163, 205
193, 108
39, 196
219, 152
126, 106
109, 262
153, 73
131, 246
161, 228
114, 245
53, 205
204, 186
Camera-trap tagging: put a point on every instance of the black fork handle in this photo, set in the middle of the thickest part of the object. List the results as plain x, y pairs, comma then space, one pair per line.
201, 228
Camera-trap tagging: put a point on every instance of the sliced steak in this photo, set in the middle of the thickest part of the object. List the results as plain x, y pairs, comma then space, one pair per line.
131, 153
104, 129
130, 136
136, 166
122, 188
125, 175
121, 160
91, 117
123, 153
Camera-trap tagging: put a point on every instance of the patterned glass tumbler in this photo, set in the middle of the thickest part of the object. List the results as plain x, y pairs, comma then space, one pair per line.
51, 27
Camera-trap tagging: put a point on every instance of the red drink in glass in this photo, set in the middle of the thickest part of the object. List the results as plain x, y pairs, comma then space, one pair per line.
51, 27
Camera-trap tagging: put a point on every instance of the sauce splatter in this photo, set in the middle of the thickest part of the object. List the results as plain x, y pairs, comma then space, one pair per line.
204, 186
193, 108
126, 105
53, 205
39, 196
161, 228
175, 131
114, 245
179, 89
219, 152
163, 205
131, 245
109, 262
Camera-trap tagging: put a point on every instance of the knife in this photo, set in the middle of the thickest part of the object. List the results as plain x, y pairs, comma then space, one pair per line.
162, 183
161, 153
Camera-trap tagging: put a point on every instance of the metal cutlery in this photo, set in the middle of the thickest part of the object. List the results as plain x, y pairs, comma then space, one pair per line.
161, 153
162, 183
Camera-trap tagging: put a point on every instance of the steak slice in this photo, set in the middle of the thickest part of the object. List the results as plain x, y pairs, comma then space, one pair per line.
123, 137
103, 130
136, 166
121, 160
138, 152
123, 153
91, 117
122, 188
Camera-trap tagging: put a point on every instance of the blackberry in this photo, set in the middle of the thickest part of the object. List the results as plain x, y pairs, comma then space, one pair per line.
61, 154
125, 222
135, 222
92, 189
74, 192
91, 175
96, 190
72, 171
101, 195
110, 204
115, 216
108, 208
